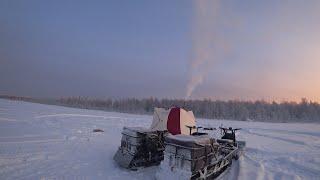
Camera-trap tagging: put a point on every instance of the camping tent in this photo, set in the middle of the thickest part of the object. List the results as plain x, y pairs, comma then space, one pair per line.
175, 120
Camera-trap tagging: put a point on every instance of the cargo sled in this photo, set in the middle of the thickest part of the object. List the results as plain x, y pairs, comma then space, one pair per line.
199, 156
143, 147
140, 147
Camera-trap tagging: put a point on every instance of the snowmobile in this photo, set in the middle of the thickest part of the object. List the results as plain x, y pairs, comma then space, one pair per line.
199, 156
143, 147
229, 136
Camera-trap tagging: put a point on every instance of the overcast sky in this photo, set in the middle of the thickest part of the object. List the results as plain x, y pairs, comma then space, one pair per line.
258, 49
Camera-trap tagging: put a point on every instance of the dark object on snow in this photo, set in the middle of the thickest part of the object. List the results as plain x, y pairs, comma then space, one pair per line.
140, 147
98, 130
229, 133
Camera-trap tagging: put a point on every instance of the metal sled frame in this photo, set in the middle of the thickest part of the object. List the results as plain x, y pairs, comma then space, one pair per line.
133, 161
228, 151
216, 168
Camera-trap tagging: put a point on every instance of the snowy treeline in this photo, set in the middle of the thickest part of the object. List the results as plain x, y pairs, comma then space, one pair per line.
304, 111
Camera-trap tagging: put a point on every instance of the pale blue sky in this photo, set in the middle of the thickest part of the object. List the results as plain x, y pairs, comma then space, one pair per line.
144, 48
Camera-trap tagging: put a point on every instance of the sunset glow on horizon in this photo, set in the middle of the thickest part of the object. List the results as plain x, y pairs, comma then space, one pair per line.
226, 50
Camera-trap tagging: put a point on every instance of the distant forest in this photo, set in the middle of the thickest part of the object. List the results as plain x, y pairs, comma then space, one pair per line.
304, 111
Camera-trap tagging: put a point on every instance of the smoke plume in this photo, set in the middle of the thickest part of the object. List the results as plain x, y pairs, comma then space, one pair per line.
204, 37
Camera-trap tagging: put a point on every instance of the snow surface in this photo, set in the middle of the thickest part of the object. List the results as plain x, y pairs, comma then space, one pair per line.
52, 142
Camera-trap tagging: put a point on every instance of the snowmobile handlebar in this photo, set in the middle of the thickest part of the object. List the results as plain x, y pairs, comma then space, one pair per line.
190, 128
197, 128
230, 128
209, 128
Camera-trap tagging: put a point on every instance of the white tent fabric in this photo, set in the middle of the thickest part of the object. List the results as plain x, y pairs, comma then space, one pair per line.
160, 118
186, 119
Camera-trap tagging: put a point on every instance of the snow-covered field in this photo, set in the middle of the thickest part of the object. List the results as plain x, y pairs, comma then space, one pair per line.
51, 142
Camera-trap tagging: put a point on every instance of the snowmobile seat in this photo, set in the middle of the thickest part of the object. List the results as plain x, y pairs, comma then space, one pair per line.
230, 136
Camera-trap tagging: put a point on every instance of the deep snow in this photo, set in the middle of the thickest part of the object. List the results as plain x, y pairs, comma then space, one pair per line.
51, 142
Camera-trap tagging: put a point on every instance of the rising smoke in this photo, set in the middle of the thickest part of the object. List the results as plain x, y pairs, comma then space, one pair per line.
204, 37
